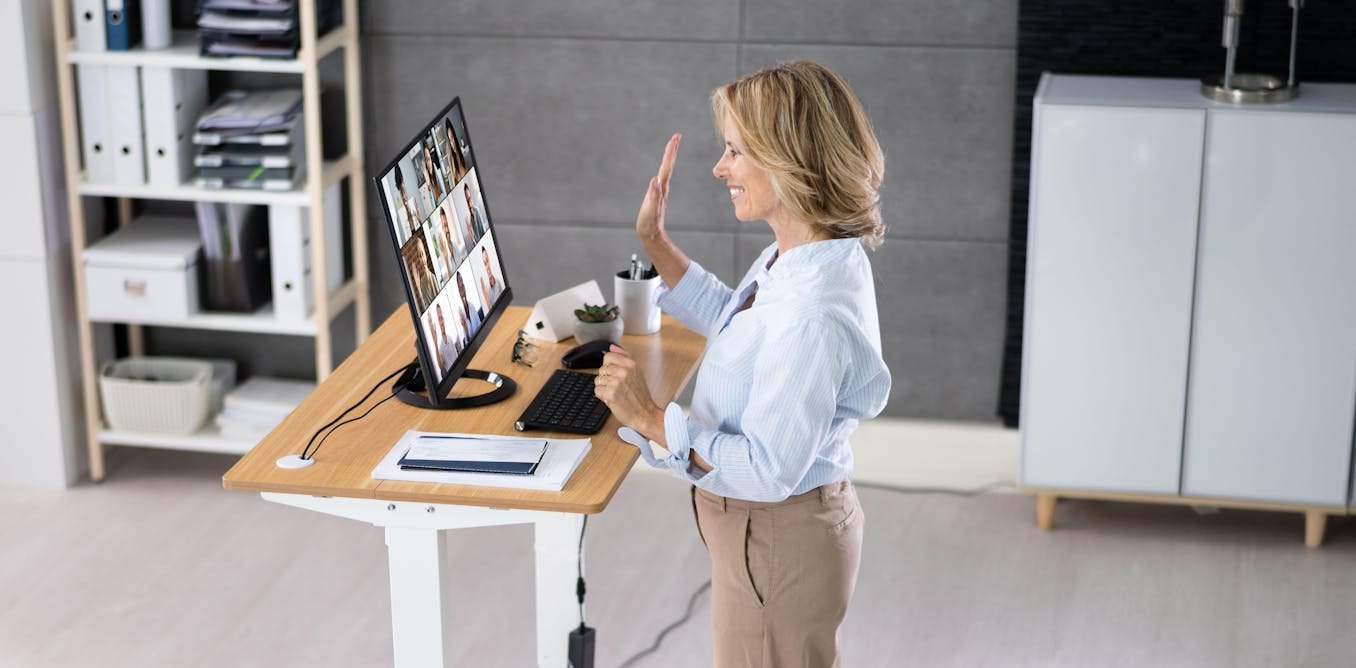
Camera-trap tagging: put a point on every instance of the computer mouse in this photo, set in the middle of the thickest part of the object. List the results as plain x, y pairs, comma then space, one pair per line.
587, 355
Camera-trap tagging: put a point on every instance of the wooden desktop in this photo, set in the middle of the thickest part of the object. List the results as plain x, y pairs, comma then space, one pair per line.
414, 514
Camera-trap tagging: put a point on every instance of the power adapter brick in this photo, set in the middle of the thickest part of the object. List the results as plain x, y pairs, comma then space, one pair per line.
582, 641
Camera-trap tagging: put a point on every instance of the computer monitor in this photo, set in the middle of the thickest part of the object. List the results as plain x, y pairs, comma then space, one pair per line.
433, 198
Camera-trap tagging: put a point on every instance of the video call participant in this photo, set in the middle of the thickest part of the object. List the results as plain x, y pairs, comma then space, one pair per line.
431, 327
427, 197
473, 315
451, 234
471, 237
433, 172
476, 219
458, 166
766, 444
447, 348
406, 204
493, 285
420, 270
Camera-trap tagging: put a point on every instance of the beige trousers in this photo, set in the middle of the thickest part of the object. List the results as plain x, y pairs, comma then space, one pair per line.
781, 575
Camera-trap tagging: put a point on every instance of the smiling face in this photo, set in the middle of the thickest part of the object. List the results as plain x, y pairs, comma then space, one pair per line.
485, 256
750, 185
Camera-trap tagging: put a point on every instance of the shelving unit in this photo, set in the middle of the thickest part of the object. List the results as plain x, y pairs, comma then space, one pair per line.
183, 54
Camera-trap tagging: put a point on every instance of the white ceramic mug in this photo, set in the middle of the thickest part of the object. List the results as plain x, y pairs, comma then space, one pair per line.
637, 301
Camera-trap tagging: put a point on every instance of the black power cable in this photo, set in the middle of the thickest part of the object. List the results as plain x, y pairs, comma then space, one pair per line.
307, 452
659, 639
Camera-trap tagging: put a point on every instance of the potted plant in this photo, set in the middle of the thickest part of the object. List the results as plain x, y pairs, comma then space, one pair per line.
597, 322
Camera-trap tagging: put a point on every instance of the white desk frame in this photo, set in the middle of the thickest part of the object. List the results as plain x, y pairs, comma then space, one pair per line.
420, 596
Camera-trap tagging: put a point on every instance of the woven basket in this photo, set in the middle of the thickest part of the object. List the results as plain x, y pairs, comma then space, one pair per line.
166, 395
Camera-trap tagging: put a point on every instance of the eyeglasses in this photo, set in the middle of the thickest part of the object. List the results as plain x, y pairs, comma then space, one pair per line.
524, 353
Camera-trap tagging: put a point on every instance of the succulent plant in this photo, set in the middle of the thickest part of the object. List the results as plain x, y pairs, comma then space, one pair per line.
596, 313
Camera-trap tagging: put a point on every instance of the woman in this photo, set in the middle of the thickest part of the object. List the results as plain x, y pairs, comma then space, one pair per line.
454, 151
792, 363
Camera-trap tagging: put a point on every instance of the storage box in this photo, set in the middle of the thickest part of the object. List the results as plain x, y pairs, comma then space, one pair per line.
165, 395
144, 272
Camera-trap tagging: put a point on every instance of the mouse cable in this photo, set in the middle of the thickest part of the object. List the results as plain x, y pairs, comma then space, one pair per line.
659, 639
307, 452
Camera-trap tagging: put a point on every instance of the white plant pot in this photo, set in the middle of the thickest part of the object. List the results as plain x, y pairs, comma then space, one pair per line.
592, 331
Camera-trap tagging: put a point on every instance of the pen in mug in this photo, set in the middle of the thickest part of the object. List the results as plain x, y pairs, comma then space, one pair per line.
635, 267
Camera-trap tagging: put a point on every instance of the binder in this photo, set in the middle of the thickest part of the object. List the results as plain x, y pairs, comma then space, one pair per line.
171, 102
91, 31
289, 232
96, 144
123, 21
124, 114
469, 454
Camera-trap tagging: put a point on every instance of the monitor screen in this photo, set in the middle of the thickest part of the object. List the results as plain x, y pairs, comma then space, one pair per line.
454, 277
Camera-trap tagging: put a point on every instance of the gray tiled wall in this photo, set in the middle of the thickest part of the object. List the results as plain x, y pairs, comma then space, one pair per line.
570, 102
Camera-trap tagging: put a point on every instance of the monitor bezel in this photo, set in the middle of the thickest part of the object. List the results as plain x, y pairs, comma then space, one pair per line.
426, 360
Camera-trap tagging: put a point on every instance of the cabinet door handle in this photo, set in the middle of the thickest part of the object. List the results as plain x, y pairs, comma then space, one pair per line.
132, 287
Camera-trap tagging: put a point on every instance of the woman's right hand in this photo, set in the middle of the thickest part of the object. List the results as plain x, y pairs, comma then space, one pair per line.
650, 220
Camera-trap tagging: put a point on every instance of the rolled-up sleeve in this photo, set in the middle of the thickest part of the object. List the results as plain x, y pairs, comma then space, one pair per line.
790, 412
697, 300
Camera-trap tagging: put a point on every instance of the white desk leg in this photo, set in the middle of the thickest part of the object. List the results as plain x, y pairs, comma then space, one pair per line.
557, 546
420, 597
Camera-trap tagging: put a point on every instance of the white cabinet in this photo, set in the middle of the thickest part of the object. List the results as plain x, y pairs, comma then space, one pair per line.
1190, 330
1273, 350
40, 428
39, 400
1112, 251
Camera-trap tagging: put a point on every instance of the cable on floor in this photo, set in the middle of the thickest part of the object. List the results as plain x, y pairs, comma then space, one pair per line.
691, 603
904, 489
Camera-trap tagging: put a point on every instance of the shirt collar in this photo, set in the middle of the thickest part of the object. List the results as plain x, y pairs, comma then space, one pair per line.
805, 259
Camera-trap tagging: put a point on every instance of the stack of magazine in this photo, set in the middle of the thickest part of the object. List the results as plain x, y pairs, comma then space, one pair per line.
251, 139
258, 28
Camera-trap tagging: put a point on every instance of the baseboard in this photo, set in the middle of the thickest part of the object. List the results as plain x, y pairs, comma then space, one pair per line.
925, 453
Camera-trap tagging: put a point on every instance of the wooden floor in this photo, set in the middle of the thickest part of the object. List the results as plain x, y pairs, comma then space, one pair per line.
158, 566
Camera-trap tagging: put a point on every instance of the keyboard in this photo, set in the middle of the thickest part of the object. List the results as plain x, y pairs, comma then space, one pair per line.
565, 403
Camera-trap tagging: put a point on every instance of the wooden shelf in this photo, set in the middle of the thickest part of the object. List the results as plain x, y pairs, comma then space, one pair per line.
207, 439
309, 192
262, 321
183, 54
297, 196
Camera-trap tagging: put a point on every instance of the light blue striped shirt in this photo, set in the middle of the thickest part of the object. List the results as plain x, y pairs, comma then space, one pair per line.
782, 384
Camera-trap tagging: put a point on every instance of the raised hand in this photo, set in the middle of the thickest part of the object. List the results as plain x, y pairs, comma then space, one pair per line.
650, 220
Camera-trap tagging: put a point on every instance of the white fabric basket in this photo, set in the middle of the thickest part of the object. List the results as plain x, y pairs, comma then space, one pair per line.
167, 395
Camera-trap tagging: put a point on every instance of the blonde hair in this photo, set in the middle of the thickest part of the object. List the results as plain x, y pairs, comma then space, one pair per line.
802, 123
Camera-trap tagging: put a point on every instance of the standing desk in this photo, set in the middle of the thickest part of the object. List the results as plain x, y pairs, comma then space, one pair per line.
415, 515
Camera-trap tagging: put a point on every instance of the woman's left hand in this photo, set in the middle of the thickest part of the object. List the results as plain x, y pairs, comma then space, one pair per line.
621, 385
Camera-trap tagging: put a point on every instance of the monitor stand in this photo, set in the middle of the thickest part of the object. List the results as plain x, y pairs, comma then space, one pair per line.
411, 389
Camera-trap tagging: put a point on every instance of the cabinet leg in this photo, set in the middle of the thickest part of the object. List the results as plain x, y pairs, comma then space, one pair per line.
1314, 523
1045, 510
